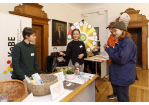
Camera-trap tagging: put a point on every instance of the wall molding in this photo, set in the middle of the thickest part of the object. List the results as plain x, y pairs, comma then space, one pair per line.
97, 10
67, 7
101, 12
84, 12
85, 15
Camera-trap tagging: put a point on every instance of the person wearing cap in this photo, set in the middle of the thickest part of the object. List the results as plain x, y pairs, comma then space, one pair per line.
123, 65
111, 42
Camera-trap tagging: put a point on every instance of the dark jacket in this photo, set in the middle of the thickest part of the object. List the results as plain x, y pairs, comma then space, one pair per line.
56, 37
74, 49
123, 66
24, 61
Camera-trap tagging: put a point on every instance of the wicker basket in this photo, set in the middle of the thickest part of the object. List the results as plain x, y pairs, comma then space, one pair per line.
17, 90
43, 89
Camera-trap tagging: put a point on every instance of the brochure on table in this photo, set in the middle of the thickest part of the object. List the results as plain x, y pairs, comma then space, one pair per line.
60, 76
29, 98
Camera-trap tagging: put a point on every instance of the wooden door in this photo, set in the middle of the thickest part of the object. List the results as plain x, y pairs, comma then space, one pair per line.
37, 43
137, 38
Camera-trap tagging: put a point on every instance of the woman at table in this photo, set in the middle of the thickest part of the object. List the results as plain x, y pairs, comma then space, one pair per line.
123, 65
76, 50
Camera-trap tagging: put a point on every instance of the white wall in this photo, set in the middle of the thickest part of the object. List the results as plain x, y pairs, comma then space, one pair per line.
58, 12
6, 7
54, 11
114, 9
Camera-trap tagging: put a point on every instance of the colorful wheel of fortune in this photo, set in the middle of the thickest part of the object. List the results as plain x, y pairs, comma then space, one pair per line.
87, 34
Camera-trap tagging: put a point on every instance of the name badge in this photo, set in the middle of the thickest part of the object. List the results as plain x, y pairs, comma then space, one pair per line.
32, 54
80, 46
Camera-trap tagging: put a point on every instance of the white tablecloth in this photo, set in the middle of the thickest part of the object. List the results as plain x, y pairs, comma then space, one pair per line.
86, 95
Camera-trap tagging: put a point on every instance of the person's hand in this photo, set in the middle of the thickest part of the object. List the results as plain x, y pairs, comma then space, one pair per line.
25, 80
80, 56
105, 45
97, 47
61, 53
92, 54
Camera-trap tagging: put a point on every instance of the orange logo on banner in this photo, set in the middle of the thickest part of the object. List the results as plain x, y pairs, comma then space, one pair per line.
9, 68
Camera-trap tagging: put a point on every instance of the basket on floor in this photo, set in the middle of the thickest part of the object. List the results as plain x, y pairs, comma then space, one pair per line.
16, 89
43, 89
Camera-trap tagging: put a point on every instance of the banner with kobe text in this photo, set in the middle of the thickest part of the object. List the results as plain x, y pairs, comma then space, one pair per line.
11, 27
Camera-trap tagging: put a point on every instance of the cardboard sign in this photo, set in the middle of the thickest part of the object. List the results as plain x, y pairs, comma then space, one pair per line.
60, 76
56, 89
29, 98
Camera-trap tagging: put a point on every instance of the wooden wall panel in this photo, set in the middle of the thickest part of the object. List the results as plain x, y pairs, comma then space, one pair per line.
144, 47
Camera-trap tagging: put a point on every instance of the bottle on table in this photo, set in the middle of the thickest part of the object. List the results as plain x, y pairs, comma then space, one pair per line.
77, 68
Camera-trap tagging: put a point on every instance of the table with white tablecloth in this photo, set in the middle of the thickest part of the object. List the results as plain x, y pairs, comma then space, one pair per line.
84, 93
104, 64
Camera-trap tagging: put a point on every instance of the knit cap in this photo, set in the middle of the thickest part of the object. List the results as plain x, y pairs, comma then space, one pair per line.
120, 25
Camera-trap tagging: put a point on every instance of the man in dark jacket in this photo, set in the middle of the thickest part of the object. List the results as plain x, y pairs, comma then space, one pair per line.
59, 36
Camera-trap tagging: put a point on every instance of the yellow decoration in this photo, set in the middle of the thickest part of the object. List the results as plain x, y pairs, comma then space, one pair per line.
33, 82
90, 32
9, 69
5, 72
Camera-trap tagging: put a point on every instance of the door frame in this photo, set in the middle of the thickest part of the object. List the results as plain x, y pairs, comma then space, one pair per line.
38, 43
140, 37
39, 17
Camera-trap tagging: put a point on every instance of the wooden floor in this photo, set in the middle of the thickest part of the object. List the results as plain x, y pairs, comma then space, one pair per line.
138, 92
